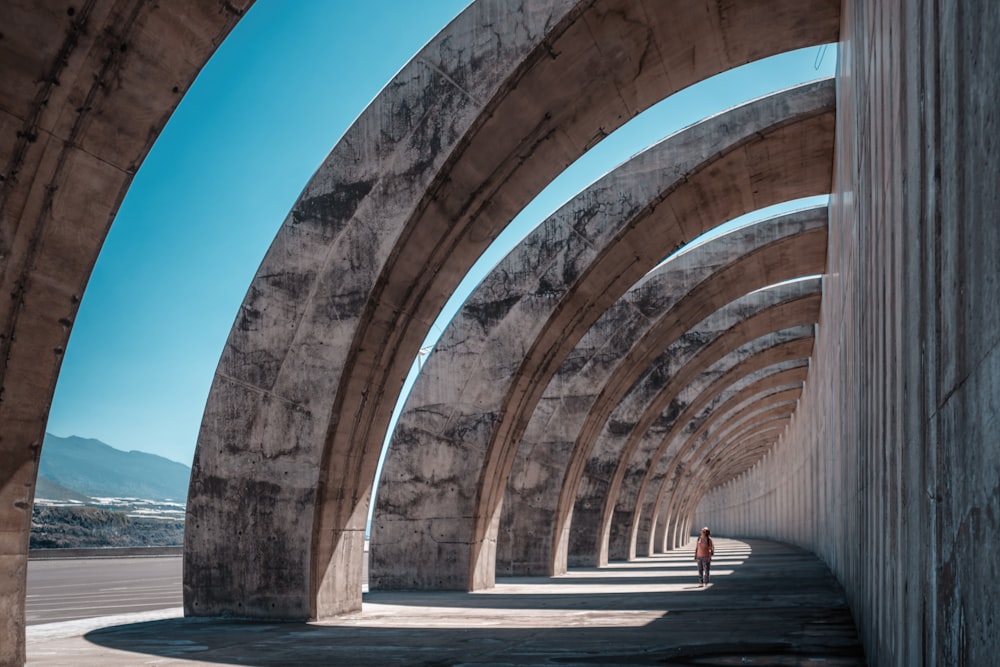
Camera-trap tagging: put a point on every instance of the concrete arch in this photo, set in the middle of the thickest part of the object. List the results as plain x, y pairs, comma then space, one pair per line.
585, 542
740, 453
750, 454
622, 343
678, 513
664, 384
909, 319
455, 145
621, 227
713, 404
780, 407
85, 92
618, 516
689, 489
614, 491
596, 419
782, 347
633, 462
679, 519
639, 530
679, 505
760, 421
749, 413
737, 453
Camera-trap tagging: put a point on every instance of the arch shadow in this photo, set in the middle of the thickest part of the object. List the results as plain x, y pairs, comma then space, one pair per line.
578, 619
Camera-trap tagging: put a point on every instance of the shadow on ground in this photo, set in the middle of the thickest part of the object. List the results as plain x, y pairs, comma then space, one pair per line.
769, 604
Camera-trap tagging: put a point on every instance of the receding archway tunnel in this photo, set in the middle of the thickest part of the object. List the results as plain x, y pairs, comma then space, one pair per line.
619, 347
461, 139
889, 441
462, 422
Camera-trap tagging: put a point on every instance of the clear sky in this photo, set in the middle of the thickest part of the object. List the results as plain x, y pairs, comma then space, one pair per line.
208, 200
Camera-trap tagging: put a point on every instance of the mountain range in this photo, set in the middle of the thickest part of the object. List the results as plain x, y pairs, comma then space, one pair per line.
75, 468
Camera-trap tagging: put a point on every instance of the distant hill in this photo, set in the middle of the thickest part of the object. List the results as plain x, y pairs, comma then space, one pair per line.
93, 468
46, 488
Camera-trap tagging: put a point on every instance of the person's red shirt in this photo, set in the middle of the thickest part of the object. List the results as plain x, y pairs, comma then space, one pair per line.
705, 548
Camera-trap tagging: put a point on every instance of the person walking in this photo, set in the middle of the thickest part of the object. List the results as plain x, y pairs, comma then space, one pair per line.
703, 552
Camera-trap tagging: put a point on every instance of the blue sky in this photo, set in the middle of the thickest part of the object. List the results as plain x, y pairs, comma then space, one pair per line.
224, 173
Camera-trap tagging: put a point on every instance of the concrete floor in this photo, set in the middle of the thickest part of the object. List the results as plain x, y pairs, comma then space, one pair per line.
768, 604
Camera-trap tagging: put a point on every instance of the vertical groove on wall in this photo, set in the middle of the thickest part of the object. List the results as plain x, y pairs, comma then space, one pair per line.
890, 470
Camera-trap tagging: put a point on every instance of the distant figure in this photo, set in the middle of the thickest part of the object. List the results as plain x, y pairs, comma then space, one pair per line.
703, 552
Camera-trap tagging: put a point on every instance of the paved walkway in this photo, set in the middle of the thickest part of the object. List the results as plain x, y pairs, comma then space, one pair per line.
768, 604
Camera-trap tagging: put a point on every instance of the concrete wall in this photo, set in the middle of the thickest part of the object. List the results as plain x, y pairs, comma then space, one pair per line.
891, 471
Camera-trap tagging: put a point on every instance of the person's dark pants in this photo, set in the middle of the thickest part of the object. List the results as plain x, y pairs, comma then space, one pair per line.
704, 565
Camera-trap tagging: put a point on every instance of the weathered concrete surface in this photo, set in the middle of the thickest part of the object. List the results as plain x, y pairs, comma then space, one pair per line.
714, 456
894, 434
488, 113
893, 453
768, 604
654, 397
85, 89
458, 433
717, 460
620, 346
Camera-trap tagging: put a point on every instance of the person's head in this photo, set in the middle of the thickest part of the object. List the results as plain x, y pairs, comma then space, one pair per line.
706, 531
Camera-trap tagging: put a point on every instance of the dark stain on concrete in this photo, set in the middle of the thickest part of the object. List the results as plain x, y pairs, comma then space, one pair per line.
488, 314
620, 427
334, 209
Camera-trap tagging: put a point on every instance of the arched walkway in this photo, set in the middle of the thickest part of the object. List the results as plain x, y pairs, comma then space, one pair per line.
462, 424
462, 138
768, 602
749, 318
890, 442
765, 369
620, 347
636, 457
